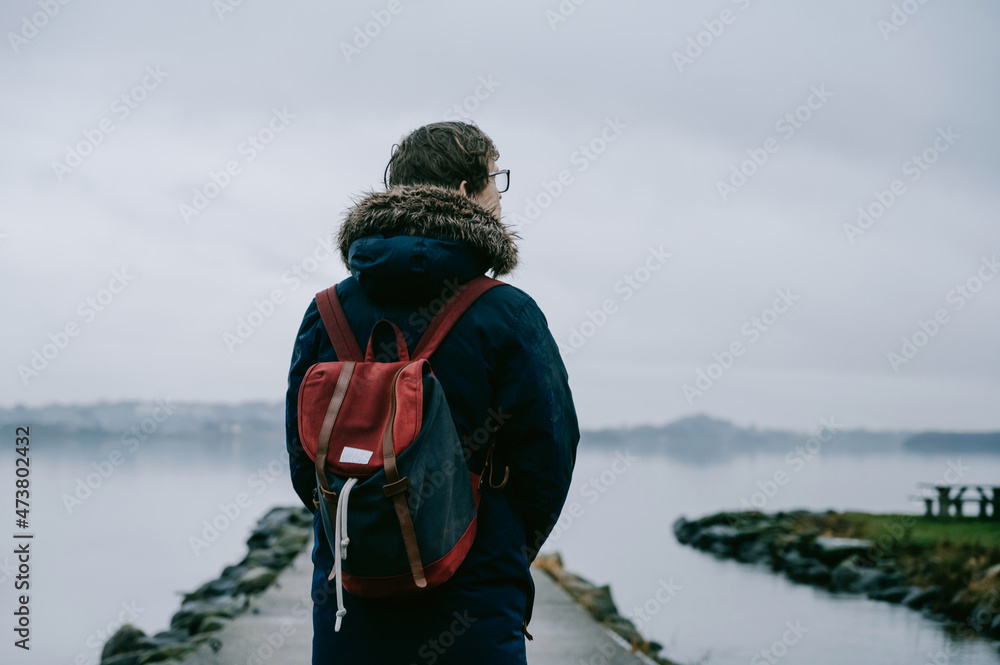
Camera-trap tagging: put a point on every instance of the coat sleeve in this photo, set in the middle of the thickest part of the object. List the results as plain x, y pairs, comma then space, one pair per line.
538, 439
304, 355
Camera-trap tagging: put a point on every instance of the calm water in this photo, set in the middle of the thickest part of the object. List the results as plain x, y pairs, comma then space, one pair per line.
126, 550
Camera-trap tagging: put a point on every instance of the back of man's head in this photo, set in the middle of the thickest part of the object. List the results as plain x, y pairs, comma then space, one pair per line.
445, 154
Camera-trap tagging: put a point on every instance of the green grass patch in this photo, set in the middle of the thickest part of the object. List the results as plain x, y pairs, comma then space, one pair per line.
924, 531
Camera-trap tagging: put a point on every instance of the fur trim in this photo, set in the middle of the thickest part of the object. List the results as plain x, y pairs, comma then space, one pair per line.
430, 210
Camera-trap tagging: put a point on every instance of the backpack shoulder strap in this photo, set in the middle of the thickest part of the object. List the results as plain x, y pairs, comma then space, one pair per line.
450, 313
337, 326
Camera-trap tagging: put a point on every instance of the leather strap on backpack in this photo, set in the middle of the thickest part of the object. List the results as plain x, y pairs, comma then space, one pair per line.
326, 430
395, 488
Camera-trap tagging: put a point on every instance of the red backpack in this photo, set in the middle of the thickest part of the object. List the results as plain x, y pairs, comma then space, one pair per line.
390, 468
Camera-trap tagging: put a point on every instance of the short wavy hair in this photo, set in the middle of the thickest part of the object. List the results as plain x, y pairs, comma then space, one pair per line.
445, 154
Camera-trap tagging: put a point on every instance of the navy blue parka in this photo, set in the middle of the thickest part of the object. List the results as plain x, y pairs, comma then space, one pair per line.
407, 249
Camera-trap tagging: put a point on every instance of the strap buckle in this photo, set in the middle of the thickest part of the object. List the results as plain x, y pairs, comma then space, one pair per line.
397, 487
488, 466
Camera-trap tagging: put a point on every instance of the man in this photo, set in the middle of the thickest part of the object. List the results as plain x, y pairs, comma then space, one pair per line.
435, 227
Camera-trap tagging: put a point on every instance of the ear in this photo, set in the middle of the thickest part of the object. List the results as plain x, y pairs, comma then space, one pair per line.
461, 188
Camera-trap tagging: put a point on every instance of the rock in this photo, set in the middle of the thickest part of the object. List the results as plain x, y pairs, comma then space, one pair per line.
876, 580
964, 606
210, 639
872, 579
805, 570
301, 517
212, 623
623, 627
718, 539
256, 579
794, 565
887, 580
272, 558
754, 551
747, 520
292, 540
894, 594
275, 518
982, 619
167, 653
232, 571
598, 602
575, 585
276, 523
191, 615
552, 565
219, 587
127, 639
918, 597
849, 576
832, 551
817, 574
845, 577
259, 540
721, 548
123, 659
934, 616
684, 530
170, 636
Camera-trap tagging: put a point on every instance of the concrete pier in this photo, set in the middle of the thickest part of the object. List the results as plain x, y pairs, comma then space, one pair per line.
277, 629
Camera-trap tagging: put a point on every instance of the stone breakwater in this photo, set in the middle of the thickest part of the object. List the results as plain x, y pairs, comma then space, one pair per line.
799, 545
276, 540
598, 603
211, 615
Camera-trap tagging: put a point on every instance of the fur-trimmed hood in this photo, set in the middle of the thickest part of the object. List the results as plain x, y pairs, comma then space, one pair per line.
431, 211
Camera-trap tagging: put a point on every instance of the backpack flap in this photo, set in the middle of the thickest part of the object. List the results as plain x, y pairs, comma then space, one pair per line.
355, 438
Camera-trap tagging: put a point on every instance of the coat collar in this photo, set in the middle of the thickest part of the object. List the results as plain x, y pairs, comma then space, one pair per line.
430, 211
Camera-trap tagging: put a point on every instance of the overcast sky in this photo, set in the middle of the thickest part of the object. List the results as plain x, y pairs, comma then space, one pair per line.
115, 113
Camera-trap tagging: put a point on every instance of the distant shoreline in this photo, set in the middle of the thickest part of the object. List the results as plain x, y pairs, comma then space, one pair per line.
697, 439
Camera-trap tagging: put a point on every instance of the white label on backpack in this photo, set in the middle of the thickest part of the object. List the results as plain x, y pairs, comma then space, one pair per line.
354, 455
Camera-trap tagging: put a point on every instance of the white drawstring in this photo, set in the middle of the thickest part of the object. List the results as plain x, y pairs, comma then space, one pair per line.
340, 553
